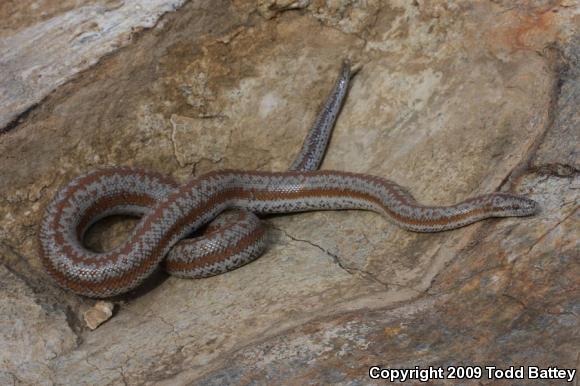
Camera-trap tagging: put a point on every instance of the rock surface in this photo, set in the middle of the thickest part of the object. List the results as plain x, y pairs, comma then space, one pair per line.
454, 98
46, 43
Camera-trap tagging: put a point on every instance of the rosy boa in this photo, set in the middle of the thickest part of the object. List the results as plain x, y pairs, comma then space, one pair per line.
171, 212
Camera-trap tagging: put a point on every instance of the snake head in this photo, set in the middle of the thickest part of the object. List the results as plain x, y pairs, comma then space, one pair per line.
507, 205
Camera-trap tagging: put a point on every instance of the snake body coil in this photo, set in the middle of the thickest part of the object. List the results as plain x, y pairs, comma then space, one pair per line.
170, 212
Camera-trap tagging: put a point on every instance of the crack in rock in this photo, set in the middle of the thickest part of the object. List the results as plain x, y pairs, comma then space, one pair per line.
348, 269
546, 233
557, 170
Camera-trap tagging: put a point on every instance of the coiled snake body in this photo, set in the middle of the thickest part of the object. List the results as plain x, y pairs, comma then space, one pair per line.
170, 212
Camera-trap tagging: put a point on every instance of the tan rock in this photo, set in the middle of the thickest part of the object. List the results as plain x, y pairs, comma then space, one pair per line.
98, 314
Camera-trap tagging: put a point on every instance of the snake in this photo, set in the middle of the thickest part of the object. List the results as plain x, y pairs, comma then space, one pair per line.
209, 225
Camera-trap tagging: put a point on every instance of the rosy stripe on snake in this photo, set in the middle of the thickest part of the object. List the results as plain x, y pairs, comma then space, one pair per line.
171, 212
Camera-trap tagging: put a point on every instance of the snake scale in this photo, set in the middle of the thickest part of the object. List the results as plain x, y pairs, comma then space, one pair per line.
171, 212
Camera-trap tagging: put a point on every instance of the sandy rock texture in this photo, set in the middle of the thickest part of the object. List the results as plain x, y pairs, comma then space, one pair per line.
454, 98
47, 43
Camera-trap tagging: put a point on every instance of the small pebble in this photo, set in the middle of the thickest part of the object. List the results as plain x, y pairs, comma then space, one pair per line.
98, 314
